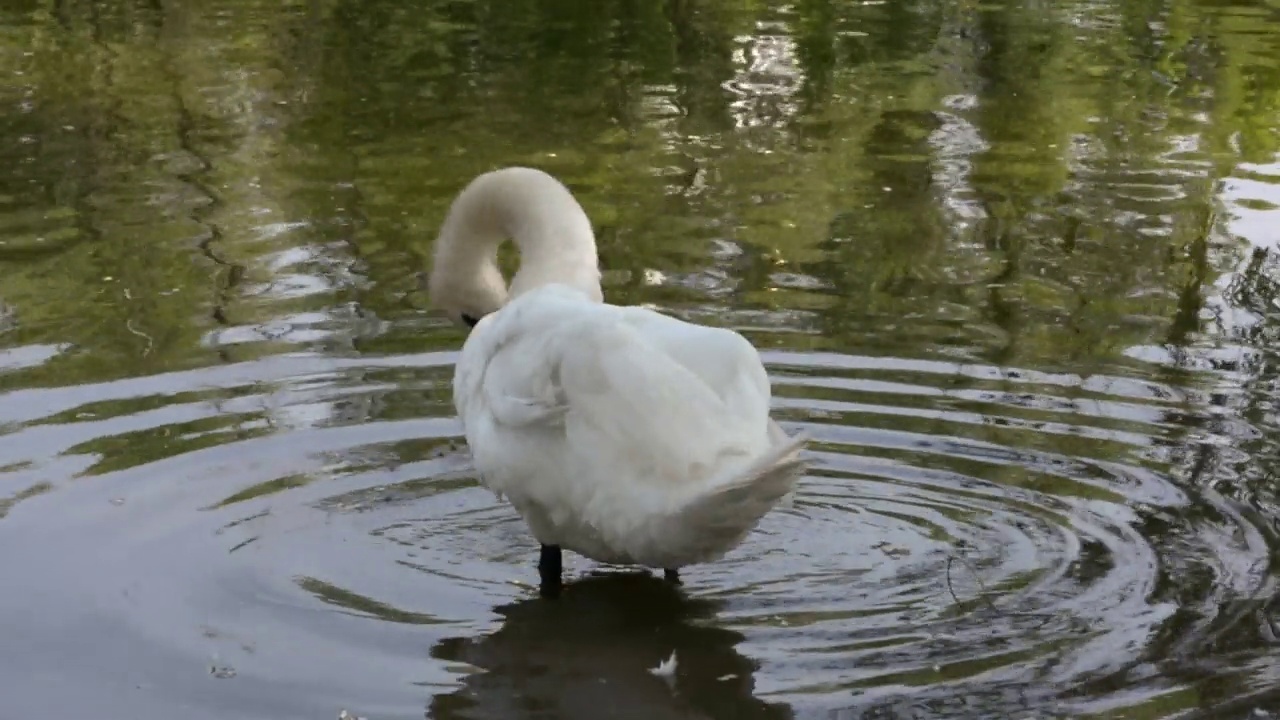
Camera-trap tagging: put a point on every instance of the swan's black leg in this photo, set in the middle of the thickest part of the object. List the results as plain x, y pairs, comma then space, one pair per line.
671, 576
549, 567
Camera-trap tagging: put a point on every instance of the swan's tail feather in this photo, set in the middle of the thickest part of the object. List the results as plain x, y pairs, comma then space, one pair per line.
720, 517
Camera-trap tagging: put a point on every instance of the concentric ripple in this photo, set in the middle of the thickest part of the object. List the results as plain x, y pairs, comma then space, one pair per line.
920, 563
251, 529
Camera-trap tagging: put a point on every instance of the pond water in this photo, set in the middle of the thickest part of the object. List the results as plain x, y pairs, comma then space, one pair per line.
1012, 265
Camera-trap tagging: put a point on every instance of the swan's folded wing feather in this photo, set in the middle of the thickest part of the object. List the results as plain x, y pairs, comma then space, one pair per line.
522, 387
518, 412
631, 405
505, 370
722, 359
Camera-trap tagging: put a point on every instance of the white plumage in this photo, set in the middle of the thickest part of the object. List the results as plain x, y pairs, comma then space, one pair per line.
619, 433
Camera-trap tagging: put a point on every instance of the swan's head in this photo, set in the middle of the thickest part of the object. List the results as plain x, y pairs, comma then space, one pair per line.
466, 294
529, 207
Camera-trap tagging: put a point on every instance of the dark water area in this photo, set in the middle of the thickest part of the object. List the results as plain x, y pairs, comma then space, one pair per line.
1014, 266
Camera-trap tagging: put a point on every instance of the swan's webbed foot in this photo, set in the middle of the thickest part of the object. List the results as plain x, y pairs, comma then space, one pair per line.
549, 569
671, 576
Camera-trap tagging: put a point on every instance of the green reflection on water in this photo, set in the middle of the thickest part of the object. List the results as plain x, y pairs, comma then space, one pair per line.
1019, 184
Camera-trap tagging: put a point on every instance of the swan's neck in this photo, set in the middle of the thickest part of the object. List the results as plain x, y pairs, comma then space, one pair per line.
534, 211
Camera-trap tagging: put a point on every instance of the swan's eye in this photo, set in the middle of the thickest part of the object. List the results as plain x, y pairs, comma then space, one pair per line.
469, 320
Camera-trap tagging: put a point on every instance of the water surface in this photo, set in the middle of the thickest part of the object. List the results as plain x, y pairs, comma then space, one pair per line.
1012, 265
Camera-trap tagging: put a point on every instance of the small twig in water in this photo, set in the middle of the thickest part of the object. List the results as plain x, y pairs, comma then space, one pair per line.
128, 325
951, 559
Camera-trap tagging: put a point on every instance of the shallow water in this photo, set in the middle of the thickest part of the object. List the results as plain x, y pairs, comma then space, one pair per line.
1012, 265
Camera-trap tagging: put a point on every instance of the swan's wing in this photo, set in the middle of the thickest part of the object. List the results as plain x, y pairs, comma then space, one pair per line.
507, 372
722, 359
630, 393
634, 405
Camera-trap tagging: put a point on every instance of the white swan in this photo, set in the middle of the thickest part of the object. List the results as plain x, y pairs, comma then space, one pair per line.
619, 433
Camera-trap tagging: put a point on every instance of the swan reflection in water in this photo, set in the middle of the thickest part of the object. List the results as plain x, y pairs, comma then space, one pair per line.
589, 655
